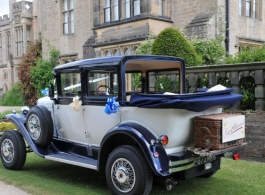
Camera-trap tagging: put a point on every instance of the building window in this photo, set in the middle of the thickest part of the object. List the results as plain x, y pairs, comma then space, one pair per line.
248, 8
68, 16
127, 8
115, 10
8, 44
5, 75
107, 11
161, 7
111, 10
134, 49
19, 40
115, 53
127, 51
255, 8
107, 54
136, 7
240, 7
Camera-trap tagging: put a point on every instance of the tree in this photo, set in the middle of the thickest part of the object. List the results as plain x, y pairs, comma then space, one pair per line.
171, 42
212, 49
41, 74
146, 48
27, 61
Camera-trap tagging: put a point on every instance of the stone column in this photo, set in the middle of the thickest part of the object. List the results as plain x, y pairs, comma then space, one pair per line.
260, 90
234, 78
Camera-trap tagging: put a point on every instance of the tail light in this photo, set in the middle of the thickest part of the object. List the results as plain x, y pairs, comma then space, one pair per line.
163, 139
236, 156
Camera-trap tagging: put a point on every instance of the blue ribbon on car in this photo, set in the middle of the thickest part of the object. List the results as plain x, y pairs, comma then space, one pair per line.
111, 106
45, 92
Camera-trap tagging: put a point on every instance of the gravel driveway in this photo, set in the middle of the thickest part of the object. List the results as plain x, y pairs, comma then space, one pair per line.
6, 189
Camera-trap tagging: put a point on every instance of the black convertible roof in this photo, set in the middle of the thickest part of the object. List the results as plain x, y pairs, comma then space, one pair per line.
111, 61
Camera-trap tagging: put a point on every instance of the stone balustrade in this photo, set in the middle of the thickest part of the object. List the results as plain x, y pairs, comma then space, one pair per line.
233, 72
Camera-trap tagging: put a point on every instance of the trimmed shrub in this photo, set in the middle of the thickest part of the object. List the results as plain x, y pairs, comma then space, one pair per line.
4, 126
171, 42
13, 97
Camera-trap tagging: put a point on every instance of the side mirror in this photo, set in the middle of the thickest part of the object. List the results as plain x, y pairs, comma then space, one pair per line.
51, 91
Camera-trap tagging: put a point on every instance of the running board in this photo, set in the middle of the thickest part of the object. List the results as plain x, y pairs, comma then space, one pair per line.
73, 160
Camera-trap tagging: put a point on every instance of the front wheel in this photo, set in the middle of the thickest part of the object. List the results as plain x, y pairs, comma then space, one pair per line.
127, 172
13, 150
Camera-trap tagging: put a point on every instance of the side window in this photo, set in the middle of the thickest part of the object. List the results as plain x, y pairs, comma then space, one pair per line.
103, 83
133, 82
71, 84
163, 81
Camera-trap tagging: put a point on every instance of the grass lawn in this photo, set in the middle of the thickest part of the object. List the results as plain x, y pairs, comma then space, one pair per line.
42, 177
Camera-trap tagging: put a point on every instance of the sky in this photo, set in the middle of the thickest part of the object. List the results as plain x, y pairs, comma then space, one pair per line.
4, 7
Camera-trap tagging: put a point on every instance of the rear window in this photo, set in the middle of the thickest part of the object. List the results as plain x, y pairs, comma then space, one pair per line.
160, 81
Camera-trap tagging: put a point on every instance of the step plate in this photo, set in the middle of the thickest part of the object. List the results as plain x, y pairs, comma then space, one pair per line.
73, 160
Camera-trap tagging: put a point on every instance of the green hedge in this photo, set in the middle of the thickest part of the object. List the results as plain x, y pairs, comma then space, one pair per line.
13, 97
171, 42
4, 126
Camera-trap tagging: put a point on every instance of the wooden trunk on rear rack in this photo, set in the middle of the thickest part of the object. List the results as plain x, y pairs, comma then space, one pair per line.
208, 132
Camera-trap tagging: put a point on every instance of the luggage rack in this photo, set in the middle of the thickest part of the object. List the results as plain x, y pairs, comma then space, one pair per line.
209, 152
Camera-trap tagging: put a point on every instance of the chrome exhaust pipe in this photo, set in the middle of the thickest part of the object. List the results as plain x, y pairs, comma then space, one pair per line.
165, 182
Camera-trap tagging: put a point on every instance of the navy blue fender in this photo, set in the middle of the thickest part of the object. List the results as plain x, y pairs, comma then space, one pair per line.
20, 121
159, 165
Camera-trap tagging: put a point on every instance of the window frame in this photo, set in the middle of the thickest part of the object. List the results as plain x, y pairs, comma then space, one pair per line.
254, 11
8, 44
68, 17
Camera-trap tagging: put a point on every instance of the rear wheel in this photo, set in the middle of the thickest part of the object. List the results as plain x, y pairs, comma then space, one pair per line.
127, 172
13, 150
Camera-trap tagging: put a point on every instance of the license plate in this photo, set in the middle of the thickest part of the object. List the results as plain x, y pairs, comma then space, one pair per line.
203, 159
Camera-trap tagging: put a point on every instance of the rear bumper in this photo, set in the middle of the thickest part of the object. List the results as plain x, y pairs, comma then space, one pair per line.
193, 157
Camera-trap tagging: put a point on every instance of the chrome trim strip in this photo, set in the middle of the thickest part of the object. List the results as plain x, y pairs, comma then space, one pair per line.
181, 168
72, 162
179, 162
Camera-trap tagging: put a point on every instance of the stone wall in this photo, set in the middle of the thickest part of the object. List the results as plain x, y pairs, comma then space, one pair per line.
255, 135
51, 27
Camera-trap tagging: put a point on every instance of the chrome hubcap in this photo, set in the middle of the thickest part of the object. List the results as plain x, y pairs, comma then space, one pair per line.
7, 150
34, 127
123, 175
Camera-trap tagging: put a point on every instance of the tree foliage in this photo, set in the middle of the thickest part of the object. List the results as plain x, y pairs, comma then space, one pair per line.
13, 97
146, 47
171, 42
246, 55
41, 74
27, 61
212, 48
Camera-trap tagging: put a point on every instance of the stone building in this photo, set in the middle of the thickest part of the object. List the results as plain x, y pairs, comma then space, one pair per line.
82, 29
16, 32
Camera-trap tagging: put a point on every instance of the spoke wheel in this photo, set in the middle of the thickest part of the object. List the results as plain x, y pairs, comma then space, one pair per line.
7, 150
34, 127
13, 150
127, 172
123, 175
40, 125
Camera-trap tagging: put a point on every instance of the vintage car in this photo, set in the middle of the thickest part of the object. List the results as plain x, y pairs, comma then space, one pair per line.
129, 116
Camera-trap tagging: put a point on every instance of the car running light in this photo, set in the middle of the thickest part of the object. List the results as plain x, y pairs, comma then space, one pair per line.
236, 157
163, 139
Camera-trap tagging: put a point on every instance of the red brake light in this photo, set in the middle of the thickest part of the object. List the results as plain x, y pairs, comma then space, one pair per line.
163, 139
236, 156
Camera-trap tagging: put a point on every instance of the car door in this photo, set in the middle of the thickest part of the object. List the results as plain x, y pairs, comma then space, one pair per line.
101, 86
68, 110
